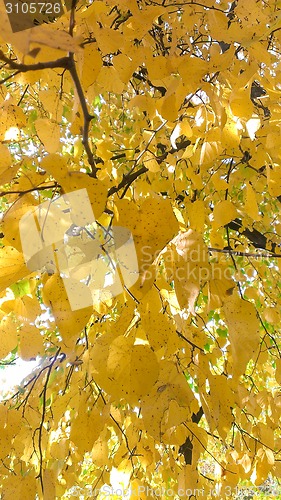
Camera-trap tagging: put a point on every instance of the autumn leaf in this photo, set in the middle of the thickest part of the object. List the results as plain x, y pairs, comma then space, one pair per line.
244, 335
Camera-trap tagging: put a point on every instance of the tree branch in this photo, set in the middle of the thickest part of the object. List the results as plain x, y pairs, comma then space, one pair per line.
257, 239
40, 429
62, 62
37, 188
127, 180
189, 342
131, 176
246, 254
186, 448
87, 116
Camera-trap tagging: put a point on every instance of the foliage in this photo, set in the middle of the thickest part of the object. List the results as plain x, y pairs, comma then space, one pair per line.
168, 115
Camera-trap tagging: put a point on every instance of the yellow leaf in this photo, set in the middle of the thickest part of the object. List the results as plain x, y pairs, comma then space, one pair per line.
12, 119
230, 135
52, 103
142, 19
86, 427
278, 371
109, 80
188, 479
12, 220
152, 225
196, 215
122, 369
12, 267
240, 103
96, 189
143, 103
181, 128
46, 36
91, 66
157, 67
8, 336
49, 134
168, 107
123, 66
25, 308
69, 322
171, 386
243, 327
220, 285
251, 207
217, 22
159, 329
31, 342
55, 165
192, 70
108, 40
151, 163
189, 266
8, 175
5, 158
59, 449
274, 180
222, 401
264, 463
219, 183
224, 212
133, 368
100, 451
209, 152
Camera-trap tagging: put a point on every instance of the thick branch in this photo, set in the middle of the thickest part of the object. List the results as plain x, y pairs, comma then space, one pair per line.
257, 239
87, 116
62, 62
127, 180
66, 63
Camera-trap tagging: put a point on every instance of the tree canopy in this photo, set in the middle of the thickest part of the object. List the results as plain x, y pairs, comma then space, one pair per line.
140, 248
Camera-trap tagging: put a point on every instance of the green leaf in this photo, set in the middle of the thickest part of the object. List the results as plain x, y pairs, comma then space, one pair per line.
21, 288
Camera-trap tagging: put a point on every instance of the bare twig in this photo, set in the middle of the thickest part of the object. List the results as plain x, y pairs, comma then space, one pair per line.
40, 429
246, 254
189, 342
37, 188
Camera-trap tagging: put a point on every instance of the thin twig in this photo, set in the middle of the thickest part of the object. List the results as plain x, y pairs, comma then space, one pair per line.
37, 188
40, 429
246, 254
189, 342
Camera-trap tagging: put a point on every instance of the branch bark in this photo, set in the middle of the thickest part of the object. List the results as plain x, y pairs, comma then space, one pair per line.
257, 239
187, 447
